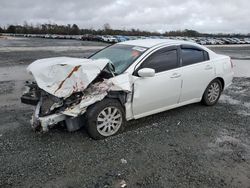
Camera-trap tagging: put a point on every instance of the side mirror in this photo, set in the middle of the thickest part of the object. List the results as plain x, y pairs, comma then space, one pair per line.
146, 72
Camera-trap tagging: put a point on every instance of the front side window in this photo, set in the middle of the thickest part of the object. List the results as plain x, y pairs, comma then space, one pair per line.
162, 60
192, 56
121, 56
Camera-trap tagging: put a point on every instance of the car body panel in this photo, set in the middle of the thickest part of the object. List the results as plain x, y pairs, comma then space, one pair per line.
223, 69
62, 76
153, 93
195, 79
144, 95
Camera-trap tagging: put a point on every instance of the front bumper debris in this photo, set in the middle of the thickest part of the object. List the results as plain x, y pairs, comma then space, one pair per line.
66, 87
43, 123
31, 94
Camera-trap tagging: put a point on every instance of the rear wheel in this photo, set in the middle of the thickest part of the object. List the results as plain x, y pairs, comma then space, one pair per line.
212, 93
105, 118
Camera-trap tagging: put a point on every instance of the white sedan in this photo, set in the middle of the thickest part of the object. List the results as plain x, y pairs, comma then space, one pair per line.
137, 78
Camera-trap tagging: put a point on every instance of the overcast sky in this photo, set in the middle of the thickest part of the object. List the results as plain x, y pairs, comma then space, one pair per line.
153, 15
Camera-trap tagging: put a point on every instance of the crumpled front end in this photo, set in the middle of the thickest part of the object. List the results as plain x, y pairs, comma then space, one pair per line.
66, 87
62, 76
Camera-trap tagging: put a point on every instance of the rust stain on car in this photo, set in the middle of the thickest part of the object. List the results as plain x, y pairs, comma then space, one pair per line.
69, 75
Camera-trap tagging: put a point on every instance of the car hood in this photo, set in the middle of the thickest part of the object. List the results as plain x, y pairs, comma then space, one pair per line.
62, 76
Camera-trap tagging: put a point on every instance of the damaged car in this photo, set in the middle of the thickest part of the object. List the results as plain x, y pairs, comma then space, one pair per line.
125, 81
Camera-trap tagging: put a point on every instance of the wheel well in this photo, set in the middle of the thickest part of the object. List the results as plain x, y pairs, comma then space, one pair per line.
222, 82
121, 96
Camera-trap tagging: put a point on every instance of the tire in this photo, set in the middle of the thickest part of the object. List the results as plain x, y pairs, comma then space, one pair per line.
212, 93
105, 118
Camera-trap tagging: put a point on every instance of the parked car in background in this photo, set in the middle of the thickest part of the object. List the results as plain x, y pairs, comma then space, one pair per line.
247, 40
90, 37
109, 39
132, 37
125, 81
121, 38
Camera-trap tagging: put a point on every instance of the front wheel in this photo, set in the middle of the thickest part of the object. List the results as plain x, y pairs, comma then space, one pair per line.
212, 93
105, 118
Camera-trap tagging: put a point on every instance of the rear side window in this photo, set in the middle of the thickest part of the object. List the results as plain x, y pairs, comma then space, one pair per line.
192, 56
162, 60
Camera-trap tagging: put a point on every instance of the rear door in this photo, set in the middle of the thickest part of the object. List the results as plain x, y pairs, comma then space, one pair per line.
197, 72
155, 94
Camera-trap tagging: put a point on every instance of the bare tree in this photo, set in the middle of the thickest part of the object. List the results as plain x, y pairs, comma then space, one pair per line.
106, 27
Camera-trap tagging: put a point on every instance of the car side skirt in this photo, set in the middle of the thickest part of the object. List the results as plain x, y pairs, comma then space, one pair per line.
167, 108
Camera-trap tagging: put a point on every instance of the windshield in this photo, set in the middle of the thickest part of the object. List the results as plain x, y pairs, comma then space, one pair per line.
122, 56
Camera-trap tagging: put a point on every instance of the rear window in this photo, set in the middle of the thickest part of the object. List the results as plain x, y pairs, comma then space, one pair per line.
192, 56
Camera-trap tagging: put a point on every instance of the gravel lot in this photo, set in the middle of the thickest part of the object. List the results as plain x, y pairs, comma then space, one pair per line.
191, 146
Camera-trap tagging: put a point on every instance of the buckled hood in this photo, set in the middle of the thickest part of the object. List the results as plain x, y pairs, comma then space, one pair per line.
62, 76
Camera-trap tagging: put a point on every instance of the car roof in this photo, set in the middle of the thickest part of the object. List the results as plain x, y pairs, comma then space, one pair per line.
152, 43
149, 43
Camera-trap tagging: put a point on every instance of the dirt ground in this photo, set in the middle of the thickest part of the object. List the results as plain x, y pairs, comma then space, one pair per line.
191, 146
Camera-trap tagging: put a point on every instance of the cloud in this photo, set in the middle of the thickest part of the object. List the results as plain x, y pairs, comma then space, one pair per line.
153, 15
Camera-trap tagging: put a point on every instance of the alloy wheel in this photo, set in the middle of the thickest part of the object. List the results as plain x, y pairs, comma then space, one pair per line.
213, 92
109, 121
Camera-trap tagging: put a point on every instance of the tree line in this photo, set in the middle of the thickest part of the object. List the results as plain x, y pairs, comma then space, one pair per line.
106, 30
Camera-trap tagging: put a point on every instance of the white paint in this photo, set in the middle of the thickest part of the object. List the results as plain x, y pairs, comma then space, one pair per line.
164, 90
62, 76
195, 79
176, 87
156, 92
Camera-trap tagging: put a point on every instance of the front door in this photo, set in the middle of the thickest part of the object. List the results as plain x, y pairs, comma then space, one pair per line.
156, 94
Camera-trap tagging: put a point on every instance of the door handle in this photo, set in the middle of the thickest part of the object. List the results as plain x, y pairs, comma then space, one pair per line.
208, 67
175, 75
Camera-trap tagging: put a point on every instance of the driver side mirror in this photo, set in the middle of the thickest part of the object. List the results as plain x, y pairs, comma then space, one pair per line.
146, 72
